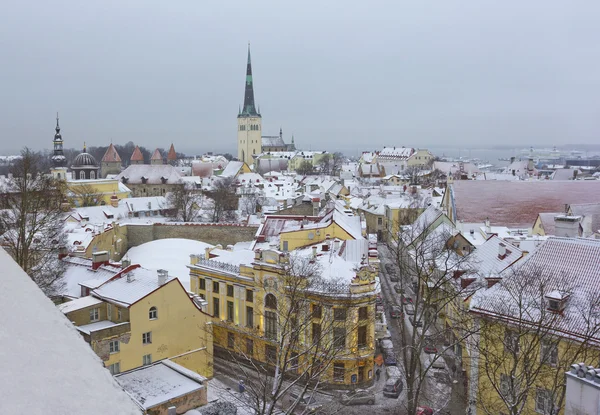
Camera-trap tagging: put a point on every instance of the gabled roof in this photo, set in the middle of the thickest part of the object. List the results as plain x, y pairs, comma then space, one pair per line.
172, 155
233, 169
156, 155
272, 141
154, 173
137, 155
485, 260
395, 153
547, 221
111, 155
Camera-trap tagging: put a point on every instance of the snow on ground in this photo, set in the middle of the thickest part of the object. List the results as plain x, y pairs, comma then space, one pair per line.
48, 368
172, 255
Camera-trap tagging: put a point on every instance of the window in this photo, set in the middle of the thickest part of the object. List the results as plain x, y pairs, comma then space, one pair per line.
202, 283
153, 313
216, 307
147, 359
230, 340
249, 347
271, 301
113, 346
363, 313
339, 337
317, 311
229, 310
249, 317
230, 291
250, 296
285, 246
92, 174
362, 336
119, 314
81, 175
339, 314
549, 353
115, 368
511, 341
271, 354
543, 401
338, 372
147, 338
270, 325
380, 221
216, 287
94, 314
316, 333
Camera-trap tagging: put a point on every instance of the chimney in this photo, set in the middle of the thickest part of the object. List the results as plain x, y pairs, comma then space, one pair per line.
162, 276
125, 262
501, 251
530, 165
62, 252
114, 201
488, 228
129, 277
207, 253
336, 244
314, 251
512, 160
567, 226
99, 258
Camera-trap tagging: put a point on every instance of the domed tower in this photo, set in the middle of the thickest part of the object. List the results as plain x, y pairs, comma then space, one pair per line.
84, 166
58, 157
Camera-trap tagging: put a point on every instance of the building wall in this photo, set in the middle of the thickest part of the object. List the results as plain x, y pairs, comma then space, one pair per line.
300, 238
420, 158
582, 396
538, 229
183, 403
144, 190
110, 168
114, 241
102, 189
180, 329
249, 141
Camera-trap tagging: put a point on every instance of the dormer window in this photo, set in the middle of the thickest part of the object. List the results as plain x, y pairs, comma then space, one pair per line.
144, 180
163, 180
557, 301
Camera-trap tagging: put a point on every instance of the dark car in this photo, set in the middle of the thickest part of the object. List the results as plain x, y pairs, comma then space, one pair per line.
389, 358
430, 348
406, 300
392, 388
396, 312
307, 403
359, 397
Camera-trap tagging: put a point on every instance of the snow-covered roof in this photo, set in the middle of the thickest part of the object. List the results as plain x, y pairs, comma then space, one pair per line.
153, 173
67, 378
233, 169
159, 383
272, 141
487, 262
169, 254
99, 325
79, 304
395, 153
79, 270
133, 285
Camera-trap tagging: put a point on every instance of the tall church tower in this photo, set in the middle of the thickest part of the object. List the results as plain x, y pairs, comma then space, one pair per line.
249, 122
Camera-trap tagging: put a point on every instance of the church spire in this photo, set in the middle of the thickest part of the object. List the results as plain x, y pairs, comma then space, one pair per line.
249, 108
58, 157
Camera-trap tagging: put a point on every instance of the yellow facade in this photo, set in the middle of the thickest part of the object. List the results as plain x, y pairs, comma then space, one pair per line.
300, 238
420, 158
242, 296
102, 190
249, 138
180, 331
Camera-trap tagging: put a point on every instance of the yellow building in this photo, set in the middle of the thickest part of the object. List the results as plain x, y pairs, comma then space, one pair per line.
265, 305
420, 158
98, 192
139, 317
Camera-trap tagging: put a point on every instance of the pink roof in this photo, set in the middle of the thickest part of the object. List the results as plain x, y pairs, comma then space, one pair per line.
156, 155
111, 155
137, 155
517, 203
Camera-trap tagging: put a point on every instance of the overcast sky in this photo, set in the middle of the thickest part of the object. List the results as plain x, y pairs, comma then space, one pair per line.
343, 75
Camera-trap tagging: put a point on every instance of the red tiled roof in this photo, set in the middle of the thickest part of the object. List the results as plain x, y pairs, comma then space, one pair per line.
156, 155
518, 203
172, 154
137, 155
111, 155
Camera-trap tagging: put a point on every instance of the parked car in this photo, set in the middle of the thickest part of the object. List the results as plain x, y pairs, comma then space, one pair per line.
415, 321
424, 410
389, 358
379, 300
392, 388
386, 344
436, 362
359, 397
396, 312
398, 289
389, 268
393, 372
306, 402
430, 348
406, 300
410, 309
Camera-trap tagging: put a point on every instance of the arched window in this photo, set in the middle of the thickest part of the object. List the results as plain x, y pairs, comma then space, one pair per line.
271, 301
92, 174
153, 313
82, 175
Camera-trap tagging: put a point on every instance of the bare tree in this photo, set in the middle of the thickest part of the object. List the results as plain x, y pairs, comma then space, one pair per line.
223, 200
524, 350
250, 202
32, 221
84, 195
305, 337
185, 203
305, 168
427, 265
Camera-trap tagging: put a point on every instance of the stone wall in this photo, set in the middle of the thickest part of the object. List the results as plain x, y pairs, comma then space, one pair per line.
224, 234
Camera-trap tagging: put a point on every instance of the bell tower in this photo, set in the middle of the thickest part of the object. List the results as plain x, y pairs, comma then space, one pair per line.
249, 122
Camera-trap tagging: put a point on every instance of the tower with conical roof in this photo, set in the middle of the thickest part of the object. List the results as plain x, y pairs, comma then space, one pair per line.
249, 121
137, 157
156, 158
172, 156
58, 156
111, 162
